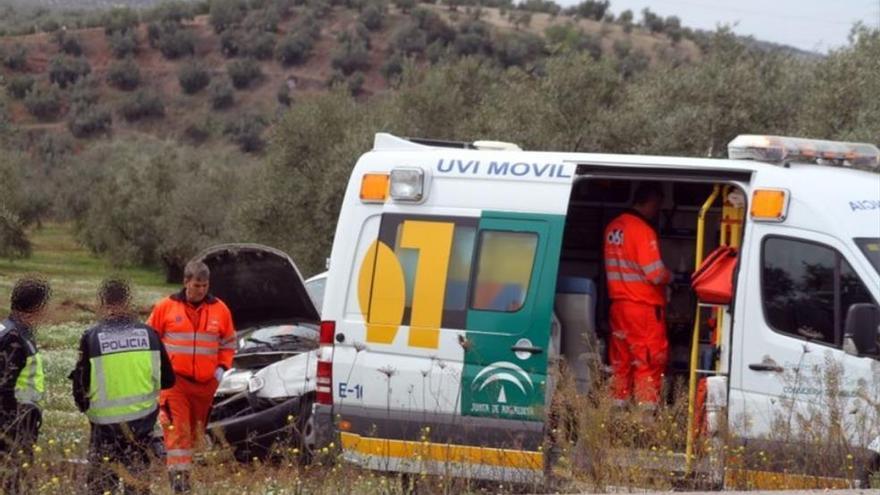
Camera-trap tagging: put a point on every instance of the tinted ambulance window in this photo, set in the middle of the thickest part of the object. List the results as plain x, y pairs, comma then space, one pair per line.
504, 270
807, 289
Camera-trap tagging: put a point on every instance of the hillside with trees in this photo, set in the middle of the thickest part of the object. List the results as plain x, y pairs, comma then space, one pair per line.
159, 131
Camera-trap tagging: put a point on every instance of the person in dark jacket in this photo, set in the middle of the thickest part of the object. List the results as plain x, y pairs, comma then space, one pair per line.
121, 368
22, 383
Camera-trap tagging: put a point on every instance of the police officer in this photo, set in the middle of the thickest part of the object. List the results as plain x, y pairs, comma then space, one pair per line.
21, 382
116, 382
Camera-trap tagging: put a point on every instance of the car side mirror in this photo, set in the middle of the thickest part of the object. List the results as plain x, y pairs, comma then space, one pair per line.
862, 330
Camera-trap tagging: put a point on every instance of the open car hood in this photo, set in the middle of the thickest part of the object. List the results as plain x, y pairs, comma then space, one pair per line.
260, 284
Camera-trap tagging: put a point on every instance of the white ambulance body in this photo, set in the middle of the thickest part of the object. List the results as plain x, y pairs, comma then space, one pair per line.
453, 272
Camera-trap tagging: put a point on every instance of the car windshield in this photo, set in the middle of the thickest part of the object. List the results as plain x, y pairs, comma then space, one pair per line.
280, 338
871, 248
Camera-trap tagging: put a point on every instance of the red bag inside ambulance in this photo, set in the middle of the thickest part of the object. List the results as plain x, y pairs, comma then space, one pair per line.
713, 281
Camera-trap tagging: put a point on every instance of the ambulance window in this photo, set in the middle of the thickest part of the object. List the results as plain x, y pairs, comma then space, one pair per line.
504, 270
807, 289
458, 271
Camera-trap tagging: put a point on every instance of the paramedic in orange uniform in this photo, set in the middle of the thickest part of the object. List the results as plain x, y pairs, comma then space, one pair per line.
637, 280
199, 335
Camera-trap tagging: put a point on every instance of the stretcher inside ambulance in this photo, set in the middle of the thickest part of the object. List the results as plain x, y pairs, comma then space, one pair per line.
462, 274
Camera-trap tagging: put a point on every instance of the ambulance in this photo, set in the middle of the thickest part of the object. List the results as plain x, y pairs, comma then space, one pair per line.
463, 274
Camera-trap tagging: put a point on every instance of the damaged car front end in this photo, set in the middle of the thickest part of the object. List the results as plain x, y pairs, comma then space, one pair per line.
263, 404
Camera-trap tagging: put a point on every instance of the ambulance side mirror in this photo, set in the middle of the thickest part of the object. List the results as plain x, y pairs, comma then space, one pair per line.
862, 330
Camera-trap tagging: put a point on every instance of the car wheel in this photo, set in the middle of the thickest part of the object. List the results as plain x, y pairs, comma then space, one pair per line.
306, 433
250, 452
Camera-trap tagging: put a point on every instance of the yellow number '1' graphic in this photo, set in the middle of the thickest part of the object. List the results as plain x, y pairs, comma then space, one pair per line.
382, 284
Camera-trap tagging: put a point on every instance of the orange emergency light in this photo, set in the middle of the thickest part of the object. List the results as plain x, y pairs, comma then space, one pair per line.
374, 188
769, 205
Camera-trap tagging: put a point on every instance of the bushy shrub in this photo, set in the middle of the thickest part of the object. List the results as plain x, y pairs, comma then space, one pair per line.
124, 75
262, 20
64, 70
84, 92
590, 9
231, 41
392, 68
18, 86
356, 82
16, 58
140, 105
652, 21
284, 7
199, 130
68, 44
193, 78
226, 13
409, 39
222, 93
175, 11
372, 17
120, 19
626, 20
518, 48
87, 121
435, 28
436, 52
43, 102
569, 37
243, 72
246, 131
294, 49
50, 25
473, 39
175, 41
350, 57
259, 45
123, 44
405, 5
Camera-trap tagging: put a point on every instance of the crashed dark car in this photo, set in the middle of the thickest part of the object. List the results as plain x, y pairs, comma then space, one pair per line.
266, 398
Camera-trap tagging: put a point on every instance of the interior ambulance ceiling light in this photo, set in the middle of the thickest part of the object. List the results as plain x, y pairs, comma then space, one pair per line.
780, 149
407, 184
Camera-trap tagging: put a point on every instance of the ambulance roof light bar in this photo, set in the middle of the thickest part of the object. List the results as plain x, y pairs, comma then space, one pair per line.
782, 150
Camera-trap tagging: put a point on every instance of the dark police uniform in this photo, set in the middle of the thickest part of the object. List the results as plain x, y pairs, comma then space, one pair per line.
22, 386
116, 382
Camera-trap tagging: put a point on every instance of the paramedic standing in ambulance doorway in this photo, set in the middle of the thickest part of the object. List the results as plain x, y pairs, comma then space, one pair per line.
637, 280
199, 335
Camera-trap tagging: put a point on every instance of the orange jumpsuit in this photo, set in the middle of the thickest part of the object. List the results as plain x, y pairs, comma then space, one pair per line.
198, 340
637, 280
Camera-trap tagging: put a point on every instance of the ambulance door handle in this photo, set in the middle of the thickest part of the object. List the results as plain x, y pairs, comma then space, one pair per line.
767, 366
527, 348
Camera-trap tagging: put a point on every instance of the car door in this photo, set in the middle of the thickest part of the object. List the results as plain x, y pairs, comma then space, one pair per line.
791, 377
